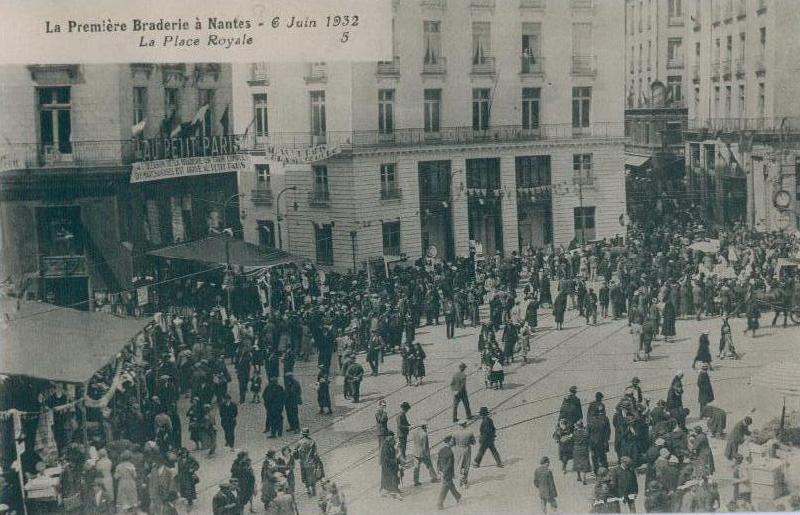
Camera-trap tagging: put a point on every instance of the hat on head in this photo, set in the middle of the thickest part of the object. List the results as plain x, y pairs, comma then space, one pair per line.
660, 442
573, 389
305, 431
635, 380
704, 366
544, 460
405, 406
673, 459
382, 402
698, 429
663, 452
598, 396
626, 460
462, 366
483, 411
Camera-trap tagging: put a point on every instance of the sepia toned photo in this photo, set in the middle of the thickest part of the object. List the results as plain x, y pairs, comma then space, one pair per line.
541, 257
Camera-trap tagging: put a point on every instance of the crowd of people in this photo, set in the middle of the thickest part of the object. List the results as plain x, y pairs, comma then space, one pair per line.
260, 329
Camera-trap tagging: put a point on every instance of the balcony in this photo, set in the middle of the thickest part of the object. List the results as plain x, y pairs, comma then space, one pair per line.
482, 4
726, 69
538, 5
77, 154
584, 65
675, 21
259, 75
761, 124
391, 193
740, 70
762, 7
419, 137
388, 68
433, 4
715, 70
316, 72
262, 196
675, 63
319, 198
435, 67
696, 72
760, 65
483, 66
533, 65
581, 4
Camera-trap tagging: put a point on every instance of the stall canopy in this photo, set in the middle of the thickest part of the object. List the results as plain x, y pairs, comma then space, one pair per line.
634, 161
242, 253
60, 344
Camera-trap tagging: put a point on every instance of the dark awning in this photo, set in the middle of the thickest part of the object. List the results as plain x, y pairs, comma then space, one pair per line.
242, 253
60, 344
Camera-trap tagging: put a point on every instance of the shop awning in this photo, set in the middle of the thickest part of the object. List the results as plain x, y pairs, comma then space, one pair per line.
634, 161
60, 344
242, 253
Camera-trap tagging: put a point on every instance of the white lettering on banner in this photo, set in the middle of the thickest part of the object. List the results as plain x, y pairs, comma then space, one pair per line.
188, 167
301, 155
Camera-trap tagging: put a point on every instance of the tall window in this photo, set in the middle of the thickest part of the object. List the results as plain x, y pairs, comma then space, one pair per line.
674, 9
323, 237
674, 53
729, 47
649, 53
742, 105
262, 177
697, 51
674, 92
530, 107
581, 39
261, 114
318, 113
391, 238
480, 109
266, 233
531, 39
533, 171
728, 94
432, 39
206, 98
55, 121
742, 45
584, 220
481, 42
697, 101
171, 102
385, 111
321, 181
716, 102
581, 107
582, 168
761, 100
388, 181
483, 173
433, 110
762, 41
139, 104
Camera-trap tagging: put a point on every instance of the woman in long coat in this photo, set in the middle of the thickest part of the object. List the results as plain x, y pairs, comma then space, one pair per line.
559, 307
419, 369
242, 471
668, 324
407, 366
390, 467
703, 350
187, 476
127, 492
580, 451
564, 436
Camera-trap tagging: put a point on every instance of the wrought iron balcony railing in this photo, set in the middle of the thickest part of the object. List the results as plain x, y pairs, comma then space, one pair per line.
584, 65
532, 65
319, 198
389, 68
676, 62
316, 72
436, 66
391, 193
262, 196
483, 66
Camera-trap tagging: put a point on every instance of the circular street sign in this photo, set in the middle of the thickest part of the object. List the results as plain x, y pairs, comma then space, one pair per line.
782, 199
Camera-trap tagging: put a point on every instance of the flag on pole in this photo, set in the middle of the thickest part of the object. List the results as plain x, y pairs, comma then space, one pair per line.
200, 115
139, 127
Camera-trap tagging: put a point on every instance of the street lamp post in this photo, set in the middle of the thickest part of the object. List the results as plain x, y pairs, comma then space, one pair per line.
228, 279
278, 211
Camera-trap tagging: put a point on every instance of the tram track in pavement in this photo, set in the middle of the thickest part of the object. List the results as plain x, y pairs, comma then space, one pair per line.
371, 455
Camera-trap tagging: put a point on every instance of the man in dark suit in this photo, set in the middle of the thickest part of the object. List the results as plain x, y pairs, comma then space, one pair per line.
445, 462
293, 397
488, 433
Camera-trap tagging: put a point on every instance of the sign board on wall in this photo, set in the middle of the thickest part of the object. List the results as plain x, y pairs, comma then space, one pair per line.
301, 155
188, 167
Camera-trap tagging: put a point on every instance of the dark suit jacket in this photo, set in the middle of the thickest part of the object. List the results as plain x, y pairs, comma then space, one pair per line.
445, 462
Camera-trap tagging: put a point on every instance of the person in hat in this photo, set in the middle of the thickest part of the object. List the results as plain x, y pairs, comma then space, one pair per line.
637, 389
545, 484
705, 392
421, 450
737, 437
580, 451
703, 354
626, 484
293, 398
323, 390
488, 433
306, 453
741, 478
274, 397
228, 412
604, 502
224, 502
571, 409
354, 375
445, 462
403, 428
242, 471
390, 468
458, 385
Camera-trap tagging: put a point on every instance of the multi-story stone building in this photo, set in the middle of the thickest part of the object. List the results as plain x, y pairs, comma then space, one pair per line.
72, 222
743, 115
499, 123
655, 108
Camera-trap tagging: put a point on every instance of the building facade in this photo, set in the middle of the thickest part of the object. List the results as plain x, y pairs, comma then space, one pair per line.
73, 225
743, 114
492, 124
